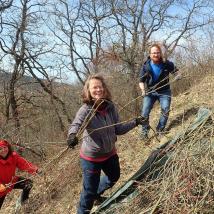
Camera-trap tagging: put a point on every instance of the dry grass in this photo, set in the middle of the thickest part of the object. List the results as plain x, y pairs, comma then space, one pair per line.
187, 181
186, 185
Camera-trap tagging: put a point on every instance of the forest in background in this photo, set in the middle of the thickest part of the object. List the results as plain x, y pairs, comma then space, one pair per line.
57, 44
48, 48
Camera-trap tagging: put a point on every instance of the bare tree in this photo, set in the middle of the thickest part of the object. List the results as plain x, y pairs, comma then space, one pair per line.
17, 52
47, 39
5, 4
80, 31
139, 23
23, 45
87, 30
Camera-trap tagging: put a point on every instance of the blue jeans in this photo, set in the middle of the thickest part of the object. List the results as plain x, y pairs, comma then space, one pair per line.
164, 99
93, 184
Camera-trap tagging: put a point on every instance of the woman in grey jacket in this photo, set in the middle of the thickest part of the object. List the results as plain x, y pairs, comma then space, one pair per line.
98, 119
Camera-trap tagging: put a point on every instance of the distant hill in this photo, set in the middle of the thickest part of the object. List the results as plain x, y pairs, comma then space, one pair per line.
58, 190
6, 76
27, 81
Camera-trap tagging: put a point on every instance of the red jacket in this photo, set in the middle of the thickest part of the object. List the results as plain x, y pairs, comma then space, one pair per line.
8, 170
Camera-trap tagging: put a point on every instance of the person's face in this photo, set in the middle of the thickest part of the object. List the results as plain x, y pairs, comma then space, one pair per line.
96, 89
155, 55
4, 151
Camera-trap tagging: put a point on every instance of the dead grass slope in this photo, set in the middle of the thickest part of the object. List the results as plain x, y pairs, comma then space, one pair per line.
58, 190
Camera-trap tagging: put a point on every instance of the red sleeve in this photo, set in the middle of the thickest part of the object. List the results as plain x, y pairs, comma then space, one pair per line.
25, 165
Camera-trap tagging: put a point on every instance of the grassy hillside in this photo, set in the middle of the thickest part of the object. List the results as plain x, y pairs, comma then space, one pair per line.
58, 190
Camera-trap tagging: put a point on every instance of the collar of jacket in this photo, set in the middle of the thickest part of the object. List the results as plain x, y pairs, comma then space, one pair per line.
107, 104
147, 65
149, 60
7, 160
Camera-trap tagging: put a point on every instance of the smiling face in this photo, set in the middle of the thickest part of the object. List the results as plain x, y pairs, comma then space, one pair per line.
155, 55
96, 89
4, 151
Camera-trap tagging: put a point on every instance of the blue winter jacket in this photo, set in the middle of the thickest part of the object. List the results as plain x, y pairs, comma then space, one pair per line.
162, 83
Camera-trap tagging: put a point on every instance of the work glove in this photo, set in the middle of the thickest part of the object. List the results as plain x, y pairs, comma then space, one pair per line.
72, 141
141, 120
2, 188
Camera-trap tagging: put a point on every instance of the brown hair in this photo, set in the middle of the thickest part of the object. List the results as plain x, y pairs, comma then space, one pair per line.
86, 93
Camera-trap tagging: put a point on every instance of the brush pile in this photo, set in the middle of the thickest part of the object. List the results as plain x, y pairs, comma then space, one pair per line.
184, 183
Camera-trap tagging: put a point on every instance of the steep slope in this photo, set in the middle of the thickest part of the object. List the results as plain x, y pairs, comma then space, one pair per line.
58, 190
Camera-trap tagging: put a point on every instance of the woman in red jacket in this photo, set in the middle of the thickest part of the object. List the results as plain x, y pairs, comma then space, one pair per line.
9, 162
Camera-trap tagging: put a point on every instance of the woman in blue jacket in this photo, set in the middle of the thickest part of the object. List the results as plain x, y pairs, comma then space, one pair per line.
99, 117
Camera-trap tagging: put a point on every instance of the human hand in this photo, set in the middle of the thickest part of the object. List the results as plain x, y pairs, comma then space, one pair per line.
2, 188
141, 120
178, 77
143, 93
72, 141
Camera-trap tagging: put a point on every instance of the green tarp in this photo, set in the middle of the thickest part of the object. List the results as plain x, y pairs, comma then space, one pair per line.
151, 169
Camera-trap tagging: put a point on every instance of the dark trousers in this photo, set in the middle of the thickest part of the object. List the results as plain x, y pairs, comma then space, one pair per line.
25, 185
93, 184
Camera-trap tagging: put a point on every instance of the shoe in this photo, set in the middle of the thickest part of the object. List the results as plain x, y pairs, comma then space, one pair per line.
99, 200
161, 133
144, 136
18, 206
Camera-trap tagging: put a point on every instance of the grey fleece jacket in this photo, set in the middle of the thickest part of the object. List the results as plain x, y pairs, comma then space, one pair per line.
99, 143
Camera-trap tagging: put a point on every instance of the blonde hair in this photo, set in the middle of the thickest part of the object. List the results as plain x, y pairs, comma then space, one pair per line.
86, 93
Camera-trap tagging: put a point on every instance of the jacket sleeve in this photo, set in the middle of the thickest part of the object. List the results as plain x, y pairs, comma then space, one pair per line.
78, 120
25, 165
142, 76
171, 67
122, 128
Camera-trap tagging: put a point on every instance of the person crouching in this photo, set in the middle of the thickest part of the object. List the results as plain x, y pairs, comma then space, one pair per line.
9, 162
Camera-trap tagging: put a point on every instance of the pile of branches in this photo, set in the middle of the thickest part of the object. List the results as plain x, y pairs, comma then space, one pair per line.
186, 183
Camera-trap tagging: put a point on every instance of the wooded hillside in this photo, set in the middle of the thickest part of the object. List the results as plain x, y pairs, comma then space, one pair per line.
47, 50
